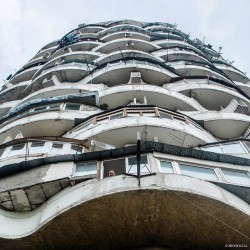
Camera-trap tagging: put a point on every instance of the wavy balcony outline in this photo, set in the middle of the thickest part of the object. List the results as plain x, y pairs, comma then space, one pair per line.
206, 92
44, 123
118, 72
124, 34
168, 127
126, 43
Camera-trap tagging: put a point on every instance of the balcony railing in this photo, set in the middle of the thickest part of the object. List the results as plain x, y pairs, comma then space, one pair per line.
137, 112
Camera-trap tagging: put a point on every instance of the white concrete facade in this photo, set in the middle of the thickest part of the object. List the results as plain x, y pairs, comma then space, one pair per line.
70, 120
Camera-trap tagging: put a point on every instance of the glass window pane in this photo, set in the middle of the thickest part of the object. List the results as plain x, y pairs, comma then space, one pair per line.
166, 167
132, 165
72, 106
56, 148
199, 172
75, 149
17, 150
40, 108
237, 177
36, 147
215, 149
55, 106
87, 168
234, 148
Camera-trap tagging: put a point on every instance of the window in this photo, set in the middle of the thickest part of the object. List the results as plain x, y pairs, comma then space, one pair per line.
72, 106
56, 148
235, 148
86, 169
17, 150
36, 147
117, 165
199, 172
55, 106
166, 167
75, 149
238, 177
131, 168
40, 108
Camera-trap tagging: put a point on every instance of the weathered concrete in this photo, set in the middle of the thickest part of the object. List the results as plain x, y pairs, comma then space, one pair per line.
168, 211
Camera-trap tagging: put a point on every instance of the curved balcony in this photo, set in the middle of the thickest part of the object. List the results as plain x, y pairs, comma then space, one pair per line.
24, 75
127, 54
123, 94
121, 27
44, 122
45, 53
205, 92
125, 44
119, 127
118, 72
197, 69
180, 54
60, 90
14, 92
72, 57
91, 29
124, 34
232, 73
66, 72
124, 22
216, 122
167, 43
146, 205
6, 106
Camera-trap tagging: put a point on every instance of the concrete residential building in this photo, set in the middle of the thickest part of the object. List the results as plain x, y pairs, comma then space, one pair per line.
108, 99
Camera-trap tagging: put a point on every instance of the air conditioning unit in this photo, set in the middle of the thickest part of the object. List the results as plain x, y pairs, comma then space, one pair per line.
98, 146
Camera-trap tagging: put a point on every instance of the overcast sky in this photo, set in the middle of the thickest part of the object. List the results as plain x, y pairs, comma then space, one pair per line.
27, 25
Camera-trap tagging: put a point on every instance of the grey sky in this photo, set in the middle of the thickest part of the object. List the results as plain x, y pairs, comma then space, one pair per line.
27, 25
